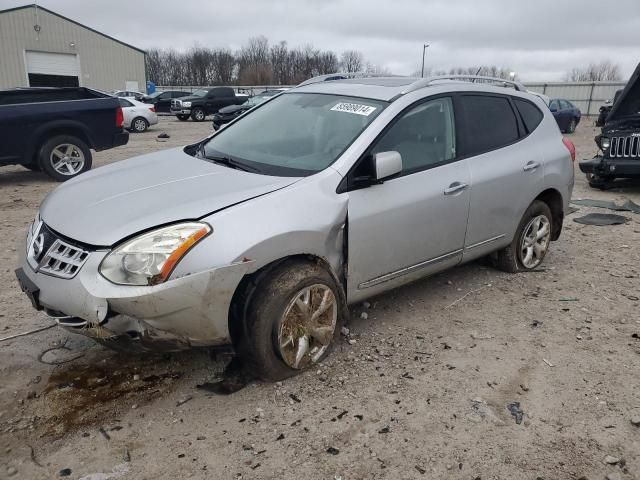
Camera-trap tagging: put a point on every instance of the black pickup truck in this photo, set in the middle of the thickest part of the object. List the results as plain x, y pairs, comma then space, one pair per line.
205, 102
53, 129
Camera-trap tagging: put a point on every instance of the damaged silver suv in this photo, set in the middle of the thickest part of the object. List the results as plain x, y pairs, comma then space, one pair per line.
259, 236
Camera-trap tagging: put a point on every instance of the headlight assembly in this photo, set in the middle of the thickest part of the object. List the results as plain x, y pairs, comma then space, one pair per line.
605, 143
150, 258
186, 104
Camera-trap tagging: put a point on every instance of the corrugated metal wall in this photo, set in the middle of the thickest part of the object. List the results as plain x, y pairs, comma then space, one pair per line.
587, 96
105, 64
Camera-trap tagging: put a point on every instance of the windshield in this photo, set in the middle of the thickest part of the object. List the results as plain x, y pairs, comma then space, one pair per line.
200, 93
296, 134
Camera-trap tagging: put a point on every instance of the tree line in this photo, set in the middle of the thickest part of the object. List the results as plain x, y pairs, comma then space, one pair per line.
260, 63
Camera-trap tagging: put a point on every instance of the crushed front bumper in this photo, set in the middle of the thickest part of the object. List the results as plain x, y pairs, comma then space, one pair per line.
175, 315
182, 111
611, 167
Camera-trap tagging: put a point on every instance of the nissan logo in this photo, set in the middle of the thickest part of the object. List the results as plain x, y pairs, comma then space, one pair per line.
38, 246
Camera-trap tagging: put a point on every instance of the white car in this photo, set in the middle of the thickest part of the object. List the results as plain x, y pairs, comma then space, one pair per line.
138, 116
128, 94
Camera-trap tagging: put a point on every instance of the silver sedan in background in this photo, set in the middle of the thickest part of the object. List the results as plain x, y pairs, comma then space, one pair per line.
138, 116
260, 235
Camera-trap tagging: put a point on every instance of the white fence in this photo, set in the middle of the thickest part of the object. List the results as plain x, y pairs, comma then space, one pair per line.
587, 96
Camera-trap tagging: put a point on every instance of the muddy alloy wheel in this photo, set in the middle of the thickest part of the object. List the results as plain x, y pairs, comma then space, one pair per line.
67, 159
64, 156
198, 115
288, 317
535, 241
307, 326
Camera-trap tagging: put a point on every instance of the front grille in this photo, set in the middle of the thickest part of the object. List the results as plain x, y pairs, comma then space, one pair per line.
177, 104
48, 253
624, 147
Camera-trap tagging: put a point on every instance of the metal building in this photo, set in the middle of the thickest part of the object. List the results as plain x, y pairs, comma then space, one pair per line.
39, 47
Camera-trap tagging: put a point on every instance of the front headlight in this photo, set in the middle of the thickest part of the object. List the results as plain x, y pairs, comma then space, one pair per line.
605, 143
186, 104
150, 258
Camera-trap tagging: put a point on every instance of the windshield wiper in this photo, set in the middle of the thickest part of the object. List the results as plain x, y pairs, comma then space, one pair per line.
231, 163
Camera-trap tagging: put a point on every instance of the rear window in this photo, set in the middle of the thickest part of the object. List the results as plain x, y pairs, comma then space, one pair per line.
530, 114
490, 123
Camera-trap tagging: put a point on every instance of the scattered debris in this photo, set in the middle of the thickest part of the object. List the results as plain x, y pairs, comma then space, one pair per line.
614, 476
65, 472
280, 437
104, 433
384, 429
601, 219
477, 336
611, 460
420, 470
184, 400
29, 332
164, 135
628, 206
342, 414
547, 362
345, 331
568, 299
635, 421
536, 323
466, 295
294, 397
524, 387
333, 451
364, 315
32, 455
62, 346
116, 472
359, 417
126, 456
516, 411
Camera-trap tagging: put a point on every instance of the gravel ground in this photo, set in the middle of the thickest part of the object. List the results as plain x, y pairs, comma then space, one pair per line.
420, 388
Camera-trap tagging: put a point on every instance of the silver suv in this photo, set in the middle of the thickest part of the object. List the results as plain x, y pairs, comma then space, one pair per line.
260, 235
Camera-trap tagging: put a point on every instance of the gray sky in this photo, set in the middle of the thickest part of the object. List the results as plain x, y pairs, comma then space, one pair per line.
540, 40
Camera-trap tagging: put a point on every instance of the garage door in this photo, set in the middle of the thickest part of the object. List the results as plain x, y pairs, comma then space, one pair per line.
47, 69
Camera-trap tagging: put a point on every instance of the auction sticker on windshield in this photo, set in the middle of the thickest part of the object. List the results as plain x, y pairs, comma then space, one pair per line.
356, 108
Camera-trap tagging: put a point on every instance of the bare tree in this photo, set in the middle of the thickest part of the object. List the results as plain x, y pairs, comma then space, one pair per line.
595, 72
376, 69
254, 62
352, 61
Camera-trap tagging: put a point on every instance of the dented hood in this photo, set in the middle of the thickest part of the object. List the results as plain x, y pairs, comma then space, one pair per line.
105, 205
627, 104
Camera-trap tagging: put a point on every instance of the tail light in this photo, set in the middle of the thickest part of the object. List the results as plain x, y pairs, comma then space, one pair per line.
119, 117
571, 147
152, 109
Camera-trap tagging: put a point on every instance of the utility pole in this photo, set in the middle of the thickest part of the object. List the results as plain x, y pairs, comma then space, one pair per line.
424, 51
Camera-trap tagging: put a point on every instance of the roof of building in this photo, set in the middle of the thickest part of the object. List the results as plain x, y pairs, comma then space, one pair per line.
33, 5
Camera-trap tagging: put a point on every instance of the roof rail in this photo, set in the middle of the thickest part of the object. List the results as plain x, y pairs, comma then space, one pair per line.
343, 76
425, 82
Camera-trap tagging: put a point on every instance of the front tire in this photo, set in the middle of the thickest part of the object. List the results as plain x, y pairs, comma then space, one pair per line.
293, 316
198, 115
139, 125
64, 157
531, 241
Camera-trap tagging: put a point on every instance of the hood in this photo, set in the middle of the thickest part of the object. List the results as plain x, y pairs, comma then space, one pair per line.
627, 104
234, 109
189, 98
105, 205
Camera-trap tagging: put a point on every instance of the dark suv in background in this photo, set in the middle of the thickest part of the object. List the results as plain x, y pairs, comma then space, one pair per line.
205, 102
567, 115
619, 141
162, 100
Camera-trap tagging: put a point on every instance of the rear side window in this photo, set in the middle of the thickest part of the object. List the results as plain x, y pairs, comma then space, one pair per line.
490, 123
530, 114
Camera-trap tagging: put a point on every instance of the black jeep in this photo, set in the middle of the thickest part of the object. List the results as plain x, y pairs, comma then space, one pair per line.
619, 141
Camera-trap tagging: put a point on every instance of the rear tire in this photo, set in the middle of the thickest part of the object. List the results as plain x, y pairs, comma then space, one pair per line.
139, 125
182, 118
515, 257
277, 328
571, 128
64, 157
198, 115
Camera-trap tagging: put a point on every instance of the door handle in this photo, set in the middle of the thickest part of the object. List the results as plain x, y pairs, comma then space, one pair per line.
530, 166
455, 187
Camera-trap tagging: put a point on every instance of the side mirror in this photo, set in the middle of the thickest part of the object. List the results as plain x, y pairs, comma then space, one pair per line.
386, 164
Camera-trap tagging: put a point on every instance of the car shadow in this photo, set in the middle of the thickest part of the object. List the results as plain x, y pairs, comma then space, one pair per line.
15, 177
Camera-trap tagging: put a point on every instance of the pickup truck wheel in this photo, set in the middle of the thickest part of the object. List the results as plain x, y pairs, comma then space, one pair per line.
531, 241
183, 118
198, 115
139, 125
293, 317
64, 156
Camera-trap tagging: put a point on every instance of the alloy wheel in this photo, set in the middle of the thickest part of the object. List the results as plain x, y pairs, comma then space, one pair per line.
535, 241
67, 159
307, 326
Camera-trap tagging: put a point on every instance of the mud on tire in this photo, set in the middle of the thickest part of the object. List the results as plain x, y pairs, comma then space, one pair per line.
266, 301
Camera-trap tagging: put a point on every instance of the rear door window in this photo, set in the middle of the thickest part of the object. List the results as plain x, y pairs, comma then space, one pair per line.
490, 123
530, 114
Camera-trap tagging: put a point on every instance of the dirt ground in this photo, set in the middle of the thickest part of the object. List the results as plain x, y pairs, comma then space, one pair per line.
421, 387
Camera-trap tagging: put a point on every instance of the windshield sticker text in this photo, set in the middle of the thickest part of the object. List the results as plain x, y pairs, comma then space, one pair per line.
365, 110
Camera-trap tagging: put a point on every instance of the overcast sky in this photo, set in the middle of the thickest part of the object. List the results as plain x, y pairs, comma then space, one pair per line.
540, 40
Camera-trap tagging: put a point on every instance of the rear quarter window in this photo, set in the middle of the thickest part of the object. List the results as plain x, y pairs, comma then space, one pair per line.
490, 123
530, 114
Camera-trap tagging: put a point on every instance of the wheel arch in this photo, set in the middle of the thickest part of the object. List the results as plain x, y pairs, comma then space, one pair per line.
553, 199
42, 135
